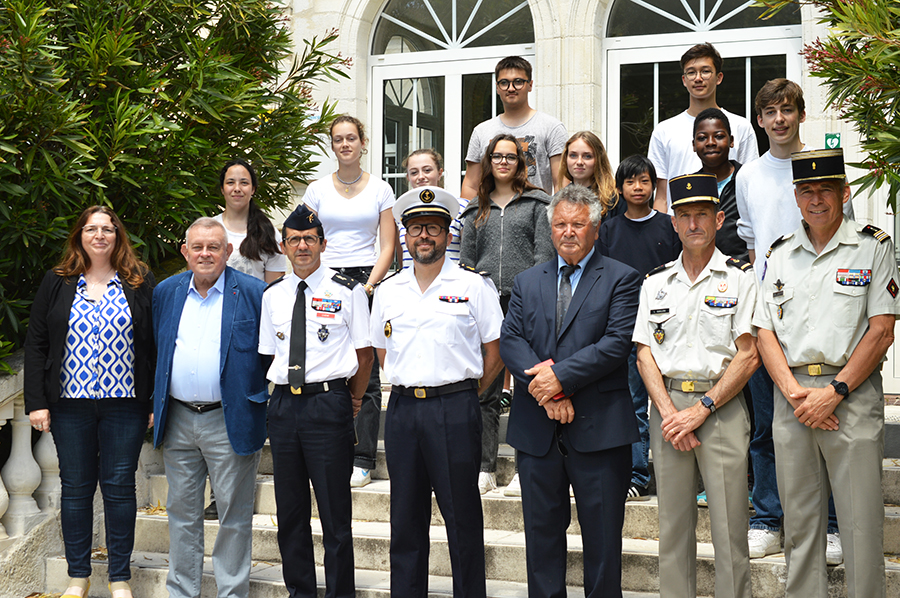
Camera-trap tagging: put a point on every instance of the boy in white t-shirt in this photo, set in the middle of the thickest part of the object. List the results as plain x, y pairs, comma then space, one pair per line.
671, 145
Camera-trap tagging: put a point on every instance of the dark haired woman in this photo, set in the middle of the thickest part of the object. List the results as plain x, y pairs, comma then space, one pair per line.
253, 238
505, 231
89, 363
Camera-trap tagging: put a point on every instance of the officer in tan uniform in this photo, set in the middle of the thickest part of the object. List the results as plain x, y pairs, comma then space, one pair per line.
826, 312
695, 352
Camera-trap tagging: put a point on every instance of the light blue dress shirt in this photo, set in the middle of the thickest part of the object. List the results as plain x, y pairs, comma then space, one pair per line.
575, 276
195, 363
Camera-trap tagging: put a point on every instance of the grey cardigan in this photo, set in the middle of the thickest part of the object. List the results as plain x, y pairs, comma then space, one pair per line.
512, 239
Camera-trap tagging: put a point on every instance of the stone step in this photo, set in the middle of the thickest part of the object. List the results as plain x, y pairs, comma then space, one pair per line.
149, 581
372, 503
505, 556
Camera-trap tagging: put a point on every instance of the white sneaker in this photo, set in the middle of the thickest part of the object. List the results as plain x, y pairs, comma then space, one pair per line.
514, 488
487, 482
361, 477
834, 552
763, 542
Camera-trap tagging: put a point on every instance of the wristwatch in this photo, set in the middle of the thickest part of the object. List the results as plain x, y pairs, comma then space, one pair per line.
840, 388
708, 403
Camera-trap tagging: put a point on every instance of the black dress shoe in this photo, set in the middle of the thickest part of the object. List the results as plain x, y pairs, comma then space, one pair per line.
211, 513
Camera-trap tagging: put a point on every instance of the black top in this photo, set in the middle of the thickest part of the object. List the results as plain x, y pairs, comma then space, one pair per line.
727, 239
642, 245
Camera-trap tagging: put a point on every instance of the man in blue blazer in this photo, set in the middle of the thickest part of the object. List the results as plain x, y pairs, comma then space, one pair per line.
209, 408
566, 338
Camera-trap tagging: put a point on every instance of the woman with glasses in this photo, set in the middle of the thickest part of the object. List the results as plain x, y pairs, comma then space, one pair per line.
505, 231
89, 365
355, 210
585, 163
425, 168
252, 235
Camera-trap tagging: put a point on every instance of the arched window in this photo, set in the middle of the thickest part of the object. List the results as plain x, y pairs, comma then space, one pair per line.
646, 38
433, 77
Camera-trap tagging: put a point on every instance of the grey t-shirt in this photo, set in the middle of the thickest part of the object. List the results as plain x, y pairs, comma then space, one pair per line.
541, 137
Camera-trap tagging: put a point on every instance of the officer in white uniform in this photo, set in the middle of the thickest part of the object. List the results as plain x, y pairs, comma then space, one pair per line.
826, 312
695, 352
315, 322
435, 327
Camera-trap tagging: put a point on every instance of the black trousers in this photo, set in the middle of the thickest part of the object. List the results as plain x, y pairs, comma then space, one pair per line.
312, 440
435, 443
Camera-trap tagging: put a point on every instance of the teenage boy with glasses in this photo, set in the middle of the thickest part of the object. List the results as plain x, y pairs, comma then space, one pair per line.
542, 137
671, 146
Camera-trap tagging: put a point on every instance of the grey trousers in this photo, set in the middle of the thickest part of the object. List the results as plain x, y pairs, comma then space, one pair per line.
721, 459
810, 465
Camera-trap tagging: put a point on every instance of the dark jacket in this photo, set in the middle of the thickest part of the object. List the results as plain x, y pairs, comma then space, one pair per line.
512, 240
590, 355
45, 343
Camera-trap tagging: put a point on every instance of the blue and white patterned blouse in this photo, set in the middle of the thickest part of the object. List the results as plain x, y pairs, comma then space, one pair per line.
99, 355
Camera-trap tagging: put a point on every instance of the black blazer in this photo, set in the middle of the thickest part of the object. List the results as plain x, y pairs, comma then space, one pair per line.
590, 355
48, 326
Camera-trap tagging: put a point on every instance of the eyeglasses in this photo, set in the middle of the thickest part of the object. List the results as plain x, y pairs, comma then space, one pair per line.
93, 229
704, 73
433, 230
310, 240
516, 83
508, 158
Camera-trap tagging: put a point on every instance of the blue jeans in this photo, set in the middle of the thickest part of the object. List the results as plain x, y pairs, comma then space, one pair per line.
98, 441
762, 455
640, 450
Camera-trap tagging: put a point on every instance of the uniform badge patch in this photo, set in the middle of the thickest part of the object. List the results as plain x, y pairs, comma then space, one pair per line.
387, 329
713, 301
322, 333
280, 335
893, 289
453, 299
660, 295
780, 312
723, 286
659, 334
331, 306
853, 278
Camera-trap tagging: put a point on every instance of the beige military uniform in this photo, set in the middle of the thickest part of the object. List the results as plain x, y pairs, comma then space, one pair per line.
819, 306
691, 330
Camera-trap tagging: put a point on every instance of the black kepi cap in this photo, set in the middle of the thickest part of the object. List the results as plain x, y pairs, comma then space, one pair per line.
693, 188
818, 165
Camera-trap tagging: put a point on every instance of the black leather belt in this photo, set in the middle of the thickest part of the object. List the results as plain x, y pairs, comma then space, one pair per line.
428, 392
198, 407
314, 388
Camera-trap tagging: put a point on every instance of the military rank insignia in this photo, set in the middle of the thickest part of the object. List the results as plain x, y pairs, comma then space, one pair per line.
853, 278
659, 334
713, 301
893, 289
387, 329
322, 333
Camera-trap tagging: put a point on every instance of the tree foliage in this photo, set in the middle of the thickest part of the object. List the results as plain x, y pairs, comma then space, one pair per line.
136, 104
859, 61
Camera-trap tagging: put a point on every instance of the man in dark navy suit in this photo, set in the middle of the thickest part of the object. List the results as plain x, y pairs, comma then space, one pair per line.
566, 338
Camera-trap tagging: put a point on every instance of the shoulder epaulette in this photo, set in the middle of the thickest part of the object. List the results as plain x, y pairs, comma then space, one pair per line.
484, 273
273, 283
736, 263
388, 277
658, 269
876, 232
343, 279
777, 242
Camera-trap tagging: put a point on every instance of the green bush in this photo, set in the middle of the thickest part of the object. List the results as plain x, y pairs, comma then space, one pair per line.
136, 104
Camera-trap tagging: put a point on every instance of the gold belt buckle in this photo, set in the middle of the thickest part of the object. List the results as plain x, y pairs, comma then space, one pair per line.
296, 391
419, 393
687, 386
814, 369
